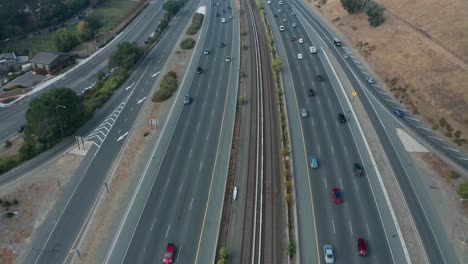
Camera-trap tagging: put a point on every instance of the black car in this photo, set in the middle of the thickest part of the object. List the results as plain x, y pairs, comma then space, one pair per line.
319, 78
310, 92
224, 11
275, 15
398, 113
217, 15
222, 45
341, 118
199, 70
358, 171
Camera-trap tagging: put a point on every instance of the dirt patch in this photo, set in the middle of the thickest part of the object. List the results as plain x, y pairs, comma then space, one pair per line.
9, 151
36, 193
446, 201
128, 171
421, 53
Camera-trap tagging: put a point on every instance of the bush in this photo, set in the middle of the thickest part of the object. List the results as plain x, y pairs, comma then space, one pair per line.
354, 6
187, 43
167, 87
197, 22
375, 13
8, 144
453, 175
463, 190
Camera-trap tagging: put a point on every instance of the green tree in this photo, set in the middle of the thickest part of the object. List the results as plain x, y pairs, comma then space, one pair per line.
375, 13
44, 119
354, 6
172, 6
125, 56
65, 40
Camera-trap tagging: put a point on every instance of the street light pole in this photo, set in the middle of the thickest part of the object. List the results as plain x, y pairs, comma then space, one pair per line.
58, 117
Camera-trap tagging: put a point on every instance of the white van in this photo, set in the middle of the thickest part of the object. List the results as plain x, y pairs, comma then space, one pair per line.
312, 49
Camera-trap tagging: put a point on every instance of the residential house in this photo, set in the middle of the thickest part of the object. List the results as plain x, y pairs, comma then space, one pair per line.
9, 62
51, 62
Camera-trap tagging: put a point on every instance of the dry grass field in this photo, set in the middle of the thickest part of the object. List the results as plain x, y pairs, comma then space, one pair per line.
420, 52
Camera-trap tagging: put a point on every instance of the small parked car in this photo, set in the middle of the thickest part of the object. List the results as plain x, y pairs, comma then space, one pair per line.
310, 92
199, 70
206, 52
299, 56
294, 25
228, 59
319, 78
304, 112
301, 40
292, 38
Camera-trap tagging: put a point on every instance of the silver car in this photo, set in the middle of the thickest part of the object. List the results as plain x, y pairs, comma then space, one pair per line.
304, 112
328, 253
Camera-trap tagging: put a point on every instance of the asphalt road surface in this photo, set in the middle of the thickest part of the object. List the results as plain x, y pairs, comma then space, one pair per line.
333, 144
84, 75
174, 211
62, 228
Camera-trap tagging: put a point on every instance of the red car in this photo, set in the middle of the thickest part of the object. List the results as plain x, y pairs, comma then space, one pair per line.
169, 253
361, 247
336, 193
293, 38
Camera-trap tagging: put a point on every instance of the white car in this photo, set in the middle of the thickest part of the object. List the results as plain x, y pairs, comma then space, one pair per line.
206, 52
369, 79
223, 20
268, 2
294, 25
228, 59
312, 49
301, 40
281, 28
328, 253
304, 112
299, 56
280, 2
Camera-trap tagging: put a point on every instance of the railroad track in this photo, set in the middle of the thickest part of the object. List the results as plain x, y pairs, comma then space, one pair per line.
258, 236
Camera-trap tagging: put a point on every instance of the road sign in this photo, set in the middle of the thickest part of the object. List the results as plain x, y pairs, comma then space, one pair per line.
354, 93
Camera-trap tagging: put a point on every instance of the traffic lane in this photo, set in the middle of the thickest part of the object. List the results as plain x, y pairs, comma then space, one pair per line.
443, 147
199, 180
430, 242
111, 150
367, 209
192, 128
333, 118
419, 201
325, 178
68, 225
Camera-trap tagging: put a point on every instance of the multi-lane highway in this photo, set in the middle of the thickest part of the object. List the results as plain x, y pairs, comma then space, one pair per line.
176, 206
84, 75
334, 145
434, 241
62, 228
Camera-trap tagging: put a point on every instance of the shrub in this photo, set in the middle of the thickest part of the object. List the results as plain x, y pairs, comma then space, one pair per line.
197, 21
375, 13
453, 175
167, 87
7, 164
354, 6
463, 190
187, 43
